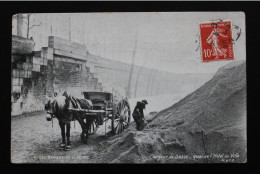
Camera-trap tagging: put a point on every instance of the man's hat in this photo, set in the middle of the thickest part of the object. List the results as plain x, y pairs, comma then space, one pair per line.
145, 101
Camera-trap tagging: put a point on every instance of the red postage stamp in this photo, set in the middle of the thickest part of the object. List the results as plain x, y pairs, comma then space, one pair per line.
216, 41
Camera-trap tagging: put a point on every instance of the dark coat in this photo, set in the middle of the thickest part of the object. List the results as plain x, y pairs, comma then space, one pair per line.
138, 110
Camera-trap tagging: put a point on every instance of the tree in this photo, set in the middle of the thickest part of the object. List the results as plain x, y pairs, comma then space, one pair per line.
149, 81
137, 78
138, 74
152, 81
29, 26
128, 92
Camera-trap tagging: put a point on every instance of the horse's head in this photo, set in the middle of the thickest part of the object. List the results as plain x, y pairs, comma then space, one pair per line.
55, 106
50, 106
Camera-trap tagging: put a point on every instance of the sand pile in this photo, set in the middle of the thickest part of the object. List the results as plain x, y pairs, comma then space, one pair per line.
208, 125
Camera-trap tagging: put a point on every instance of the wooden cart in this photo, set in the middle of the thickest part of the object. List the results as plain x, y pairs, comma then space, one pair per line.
105, 108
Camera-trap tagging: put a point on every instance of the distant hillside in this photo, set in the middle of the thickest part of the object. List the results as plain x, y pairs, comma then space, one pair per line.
208, 123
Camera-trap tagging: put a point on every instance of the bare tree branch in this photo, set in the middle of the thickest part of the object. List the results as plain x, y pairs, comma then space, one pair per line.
25, 21
34, 26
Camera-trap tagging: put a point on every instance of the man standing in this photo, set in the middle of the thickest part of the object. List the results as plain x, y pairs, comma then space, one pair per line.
138, 114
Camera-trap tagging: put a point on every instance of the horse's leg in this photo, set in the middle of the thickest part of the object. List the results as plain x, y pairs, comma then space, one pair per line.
82, 133
62, 127
68, 145
88, 124
83, 127
85, 134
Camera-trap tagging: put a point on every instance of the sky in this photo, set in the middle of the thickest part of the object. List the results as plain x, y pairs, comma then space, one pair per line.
162, 40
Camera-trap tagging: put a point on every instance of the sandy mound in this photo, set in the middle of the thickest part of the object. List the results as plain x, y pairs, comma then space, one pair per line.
208, 125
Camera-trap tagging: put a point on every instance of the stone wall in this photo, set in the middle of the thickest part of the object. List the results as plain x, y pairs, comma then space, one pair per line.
28, 77
38, 74
69, 68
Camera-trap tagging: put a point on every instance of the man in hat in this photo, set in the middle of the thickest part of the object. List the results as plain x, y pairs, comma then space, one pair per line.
138, 114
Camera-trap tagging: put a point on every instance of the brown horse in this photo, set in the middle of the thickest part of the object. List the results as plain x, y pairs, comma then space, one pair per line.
58, 107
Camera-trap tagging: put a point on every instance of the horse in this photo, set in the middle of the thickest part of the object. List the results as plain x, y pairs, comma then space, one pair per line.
58, 107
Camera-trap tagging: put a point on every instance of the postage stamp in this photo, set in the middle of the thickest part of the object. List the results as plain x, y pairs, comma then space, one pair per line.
216, 41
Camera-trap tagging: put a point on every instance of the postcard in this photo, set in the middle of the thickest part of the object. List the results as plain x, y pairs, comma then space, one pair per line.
129, 87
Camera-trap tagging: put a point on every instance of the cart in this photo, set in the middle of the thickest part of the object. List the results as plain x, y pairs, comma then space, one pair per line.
106, 108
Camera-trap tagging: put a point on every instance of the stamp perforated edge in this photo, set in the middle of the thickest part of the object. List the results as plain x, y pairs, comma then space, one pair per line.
201, 42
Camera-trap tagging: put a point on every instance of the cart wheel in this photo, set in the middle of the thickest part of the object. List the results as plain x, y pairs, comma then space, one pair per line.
93, 127
121, 117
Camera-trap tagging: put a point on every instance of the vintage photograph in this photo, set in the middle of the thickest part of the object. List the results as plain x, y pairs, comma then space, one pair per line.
129, 87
